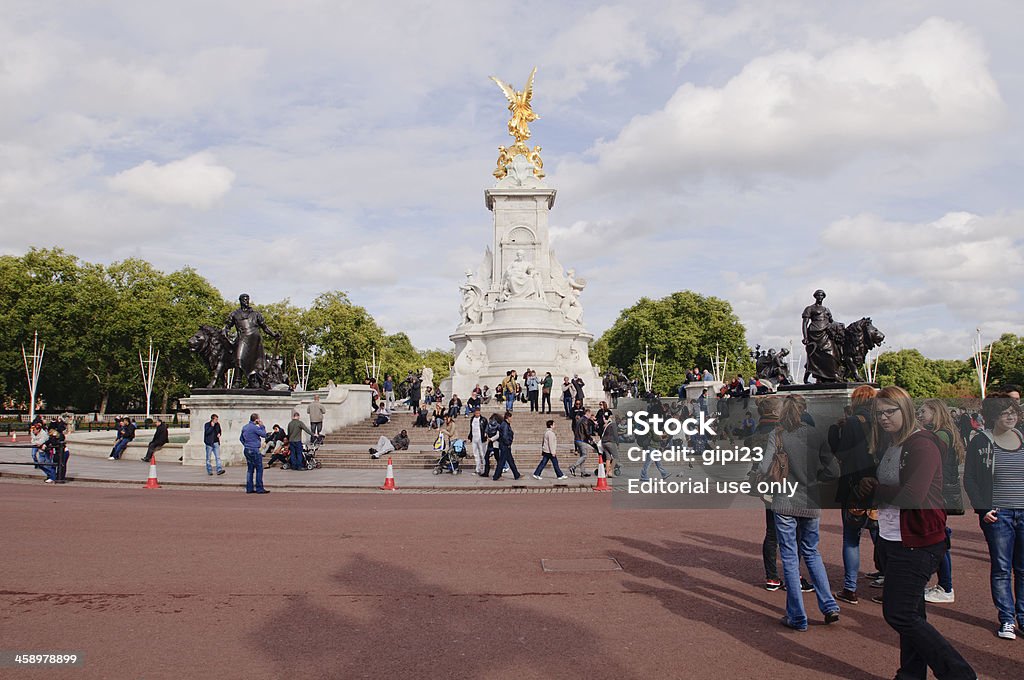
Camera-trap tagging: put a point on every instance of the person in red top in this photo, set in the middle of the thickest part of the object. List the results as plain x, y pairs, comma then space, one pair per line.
912, 528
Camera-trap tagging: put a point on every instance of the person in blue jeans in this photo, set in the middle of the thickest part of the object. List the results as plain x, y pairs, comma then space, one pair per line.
253, 434
211, 438
798, 512
848, 440
994, 480
39, 452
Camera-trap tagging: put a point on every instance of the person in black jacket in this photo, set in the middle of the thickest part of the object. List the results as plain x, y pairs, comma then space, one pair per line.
160, 438
211, 438
848, 440
505, 439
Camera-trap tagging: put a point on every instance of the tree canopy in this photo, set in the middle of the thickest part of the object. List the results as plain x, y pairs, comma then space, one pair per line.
96, 319
682, 330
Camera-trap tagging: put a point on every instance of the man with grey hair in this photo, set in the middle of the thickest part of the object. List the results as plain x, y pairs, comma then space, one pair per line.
295, 429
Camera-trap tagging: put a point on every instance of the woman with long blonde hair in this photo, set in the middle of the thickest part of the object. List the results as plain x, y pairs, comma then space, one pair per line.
935, 417
912, 533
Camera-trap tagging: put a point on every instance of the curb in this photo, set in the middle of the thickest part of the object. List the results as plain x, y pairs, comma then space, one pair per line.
578, 488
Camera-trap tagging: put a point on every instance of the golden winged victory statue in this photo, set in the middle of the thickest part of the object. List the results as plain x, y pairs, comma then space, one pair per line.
522, 114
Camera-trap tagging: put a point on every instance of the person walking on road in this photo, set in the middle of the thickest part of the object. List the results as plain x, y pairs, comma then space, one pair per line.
583, 432
505, 438
912, 529
549, 452
211, 438
253, 434
477, 438
316, 413
295, 429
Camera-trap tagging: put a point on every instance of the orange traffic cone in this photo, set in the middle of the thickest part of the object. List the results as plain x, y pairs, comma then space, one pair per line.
602, 478
151, 483
389, 479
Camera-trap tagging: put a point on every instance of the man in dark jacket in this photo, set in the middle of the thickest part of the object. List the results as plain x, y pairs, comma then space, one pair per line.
211, 438
505, 438
160, 438
123, 432
295, 429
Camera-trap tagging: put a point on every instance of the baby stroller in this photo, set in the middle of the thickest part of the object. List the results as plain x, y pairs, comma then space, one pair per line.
309, 451
451, 455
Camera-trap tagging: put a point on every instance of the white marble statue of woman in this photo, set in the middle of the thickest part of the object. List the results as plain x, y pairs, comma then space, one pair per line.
519, 281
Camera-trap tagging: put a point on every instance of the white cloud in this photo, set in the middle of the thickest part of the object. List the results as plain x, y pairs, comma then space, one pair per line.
596, 49
798, 113
197, 181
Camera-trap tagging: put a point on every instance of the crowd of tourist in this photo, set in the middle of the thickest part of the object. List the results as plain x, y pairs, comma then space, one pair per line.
896, 468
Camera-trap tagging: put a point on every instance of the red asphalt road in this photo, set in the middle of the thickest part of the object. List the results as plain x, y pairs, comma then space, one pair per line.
201, 584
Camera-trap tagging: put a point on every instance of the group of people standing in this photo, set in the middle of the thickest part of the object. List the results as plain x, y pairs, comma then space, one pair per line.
897, 473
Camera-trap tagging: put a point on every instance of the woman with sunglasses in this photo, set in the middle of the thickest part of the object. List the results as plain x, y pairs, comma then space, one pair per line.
912, 533
994, 480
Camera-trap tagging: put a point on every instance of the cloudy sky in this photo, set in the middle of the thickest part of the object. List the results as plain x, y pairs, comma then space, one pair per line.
750, 150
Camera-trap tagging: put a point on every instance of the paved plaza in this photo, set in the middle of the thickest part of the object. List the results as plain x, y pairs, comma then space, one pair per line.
181, 583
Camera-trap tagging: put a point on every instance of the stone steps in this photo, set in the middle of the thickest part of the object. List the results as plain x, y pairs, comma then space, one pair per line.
349, 447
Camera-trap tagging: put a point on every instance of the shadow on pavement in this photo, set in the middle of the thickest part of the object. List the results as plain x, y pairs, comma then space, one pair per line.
422, 630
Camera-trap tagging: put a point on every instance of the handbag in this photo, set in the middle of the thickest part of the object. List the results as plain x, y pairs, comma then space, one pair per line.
778, 469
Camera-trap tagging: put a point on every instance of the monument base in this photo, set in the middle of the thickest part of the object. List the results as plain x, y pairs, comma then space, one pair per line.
344, 405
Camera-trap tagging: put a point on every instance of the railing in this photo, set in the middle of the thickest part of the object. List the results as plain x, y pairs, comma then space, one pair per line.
89, 422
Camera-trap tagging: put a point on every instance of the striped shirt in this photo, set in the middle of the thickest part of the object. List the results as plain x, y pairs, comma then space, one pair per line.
1008, 478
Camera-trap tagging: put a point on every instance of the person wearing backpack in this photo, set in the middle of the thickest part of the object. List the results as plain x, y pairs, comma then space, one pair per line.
994, 480
935, 417
804, 459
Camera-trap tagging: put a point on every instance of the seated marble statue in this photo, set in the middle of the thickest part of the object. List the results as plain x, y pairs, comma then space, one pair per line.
521, 281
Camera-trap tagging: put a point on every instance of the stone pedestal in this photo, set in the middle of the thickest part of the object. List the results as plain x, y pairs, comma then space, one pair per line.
825, 402
344, 405
520, 308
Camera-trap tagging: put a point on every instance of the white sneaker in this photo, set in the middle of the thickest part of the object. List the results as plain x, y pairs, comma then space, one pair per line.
110, 458
1006, 631
535, 476
47, 481
562, 477
938, 595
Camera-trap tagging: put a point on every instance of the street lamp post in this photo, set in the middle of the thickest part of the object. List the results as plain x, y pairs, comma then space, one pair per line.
148, 367
33, 367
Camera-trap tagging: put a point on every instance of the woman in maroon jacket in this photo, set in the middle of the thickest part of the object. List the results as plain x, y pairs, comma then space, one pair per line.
912, 531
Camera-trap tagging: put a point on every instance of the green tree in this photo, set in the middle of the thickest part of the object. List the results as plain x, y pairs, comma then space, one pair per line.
343, 336
909, 369
681, 330
1007, 364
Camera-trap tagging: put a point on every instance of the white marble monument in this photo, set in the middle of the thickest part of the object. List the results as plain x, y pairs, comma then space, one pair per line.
520, 309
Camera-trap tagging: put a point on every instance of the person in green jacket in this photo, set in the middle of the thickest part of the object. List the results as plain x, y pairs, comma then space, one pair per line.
295, 429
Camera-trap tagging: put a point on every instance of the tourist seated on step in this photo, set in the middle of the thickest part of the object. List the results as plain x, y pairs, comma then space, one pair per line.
454, 406
383, 416
280, 453
421, 418
385, 445
273, 441
437, 416
474, 401
485, 394
428, 396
